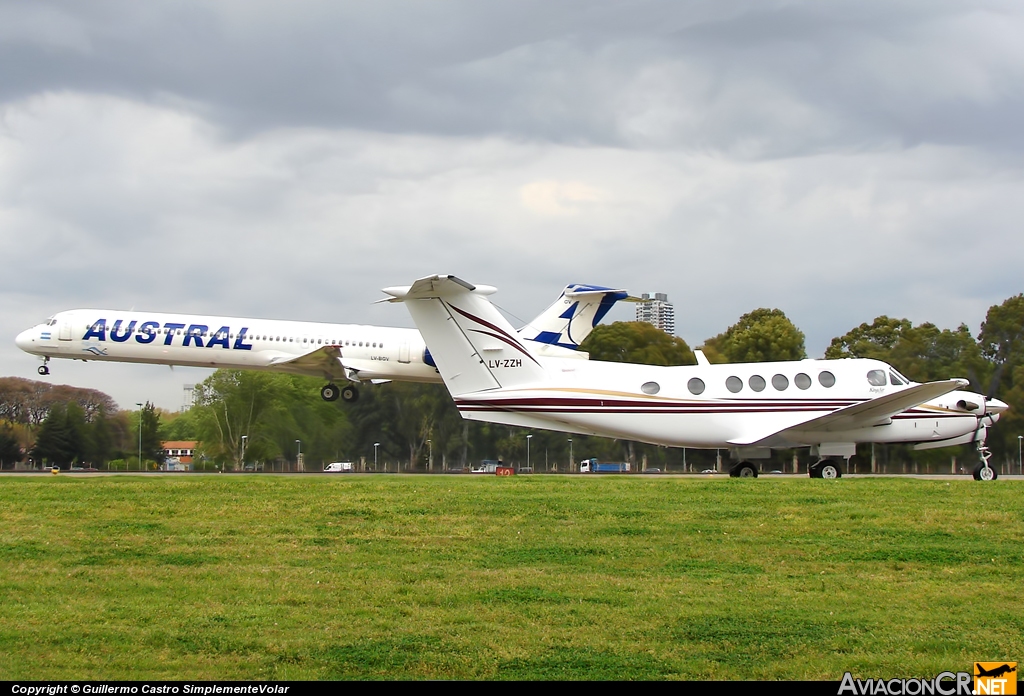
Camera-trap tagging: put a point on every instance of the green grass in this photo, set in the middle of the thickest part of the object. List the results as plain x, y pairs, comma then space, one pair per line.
544, 577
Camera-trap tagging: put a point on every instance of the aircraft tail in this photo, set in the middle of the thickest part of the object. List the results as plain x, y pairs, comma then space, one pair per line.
571, 318
473, 345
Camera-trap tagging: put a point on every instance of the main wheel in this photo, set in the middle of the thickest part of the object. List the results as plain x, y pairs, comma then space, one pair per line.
743, 470
349, 394
985, 473
329, 392
43, 370
828, 469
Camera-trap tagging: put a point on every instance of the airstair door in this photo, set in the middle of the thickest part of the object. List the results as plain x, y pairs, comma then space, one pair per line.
65, 330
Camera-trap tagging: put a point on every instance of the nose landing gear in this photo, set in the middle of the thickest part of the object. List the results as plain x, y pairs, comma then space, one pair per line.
983, 471
43, 369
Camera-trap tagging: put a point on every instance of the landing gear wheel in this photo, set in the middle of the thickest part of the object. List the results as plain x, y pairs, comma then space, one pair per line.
743, 470
329, 392
43, 370
350, 394
827, 469
983, 472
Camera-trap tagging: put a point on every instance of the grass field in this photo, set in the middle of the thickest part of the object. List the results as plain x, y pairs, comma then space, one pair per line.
543, 577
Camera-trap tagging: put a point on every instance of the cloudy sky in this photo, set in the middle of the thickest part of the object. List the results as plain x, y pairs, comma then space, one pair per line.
836, 160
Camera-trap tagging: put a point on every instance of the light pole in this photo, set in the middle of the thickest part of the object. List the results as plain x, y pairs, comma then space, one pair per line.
430, 455
1020, 461
298, 457
245, 438
375, 446
528, 438
570, 455
140, 434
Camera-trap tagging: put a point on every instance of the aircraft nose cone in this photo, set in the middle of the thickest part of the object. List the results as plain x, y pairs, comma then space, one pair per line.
24, 339
996, 406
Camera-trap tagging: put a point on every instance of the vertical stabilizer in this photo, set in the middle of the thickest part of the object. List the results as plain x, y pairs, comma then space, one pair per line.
572, 317
473, 345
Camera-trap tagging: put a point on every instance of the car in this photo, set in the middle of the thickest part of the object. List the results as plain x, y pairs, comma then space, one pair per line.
708, 471
525, 470
339, 467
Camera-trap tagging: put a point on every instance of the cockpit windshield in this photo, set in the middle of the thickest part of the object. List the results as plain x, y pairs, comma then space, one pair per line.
896, 379
51, 321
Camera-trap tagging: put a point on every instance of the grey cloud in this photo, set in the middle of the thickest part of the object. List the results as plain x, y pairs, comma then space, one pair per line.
754, 79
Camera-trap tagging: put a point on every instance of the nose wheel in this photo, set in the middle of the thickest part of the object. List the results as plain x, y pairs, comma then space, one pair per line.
983, 471
43, 369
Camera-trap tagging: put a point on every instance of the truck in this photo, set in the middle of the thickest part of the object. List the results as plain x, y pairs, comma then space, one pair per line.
592, 466
338, 467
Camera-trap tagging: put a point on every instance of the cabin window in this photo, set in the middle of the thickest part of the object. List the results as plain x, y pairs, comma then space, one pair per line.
650, 388
876, 378
780, 382
802, 381
826, 379
896, 379
695, 385
734, 384
757, 383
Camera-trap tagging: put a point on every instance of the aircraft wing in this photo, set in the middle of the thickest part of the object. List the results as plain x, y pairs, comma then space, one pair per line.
862, 415
322, 362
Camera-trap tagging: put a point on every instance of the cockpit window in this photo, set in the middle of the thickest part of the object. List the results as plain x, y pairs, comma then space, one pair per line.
876, 378
895, 378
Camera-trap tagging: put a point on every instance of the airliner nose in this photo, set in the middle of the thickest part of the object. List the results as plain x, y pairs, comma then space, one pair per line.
25, 339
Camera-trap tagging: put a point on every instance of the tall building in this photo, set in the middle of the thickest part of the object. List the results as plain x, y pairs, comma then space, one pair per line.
656, 309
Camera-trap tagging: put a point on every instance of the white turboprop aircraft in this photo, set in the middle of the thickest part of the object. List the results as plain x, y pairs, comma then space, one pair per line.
352, 352
747, 408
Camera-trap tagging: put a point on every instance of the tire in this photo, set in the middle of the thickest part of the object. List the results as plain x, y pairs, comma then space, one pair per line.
828, 469
744, 470
349, 394
329, 392
43, 370
984, 473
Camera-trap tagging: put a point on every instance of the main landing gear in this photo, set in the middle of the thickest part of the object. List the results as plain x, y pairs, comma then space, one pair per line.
826, 468
743, 470
331, 392
43, 369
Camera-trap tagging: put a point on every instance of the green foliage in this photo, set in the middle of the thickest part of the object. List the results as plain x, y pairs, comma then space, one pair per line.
764, 335
923, 353
152, 445
636, 342
472, 577
1002, 341
10, 450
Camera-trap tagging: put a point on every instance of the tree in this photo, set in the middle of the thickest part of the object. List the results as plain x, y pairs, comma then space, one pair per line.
1002, 341
230, 404
152, 446
764, 335
636, 342
10, 450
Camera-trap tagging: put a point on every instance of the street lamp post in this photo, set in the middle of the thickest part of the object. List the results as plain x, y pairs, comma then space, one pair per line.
375, 446
528, 438
245, 439
1020, 461
570, 455
298, 457
140, 434
430, 456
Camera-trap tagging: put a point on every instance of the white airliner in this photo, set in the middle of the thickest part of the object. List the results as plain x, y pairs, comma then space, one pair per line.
352, 352
747, 408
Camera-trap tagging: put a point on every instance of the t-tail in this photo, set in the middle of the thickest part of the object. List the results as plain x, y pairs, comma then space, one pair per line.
571, 318
473, 345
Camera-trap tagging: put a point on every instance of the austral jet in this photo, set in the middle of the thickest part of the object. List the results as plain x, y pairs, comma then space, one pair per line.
334, 352
747, 408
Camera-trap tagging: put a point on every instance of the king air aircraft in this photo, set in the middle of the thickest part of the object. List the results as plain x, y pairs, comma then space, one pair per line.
333, 352
747, 408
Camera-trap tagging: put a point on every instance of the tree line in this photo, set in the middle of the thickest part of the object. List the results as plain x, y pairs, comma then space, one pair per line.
251, 417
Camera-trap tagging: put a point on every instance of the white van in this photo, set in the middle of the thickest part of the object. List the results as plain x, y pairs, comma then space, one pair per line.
338, 467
